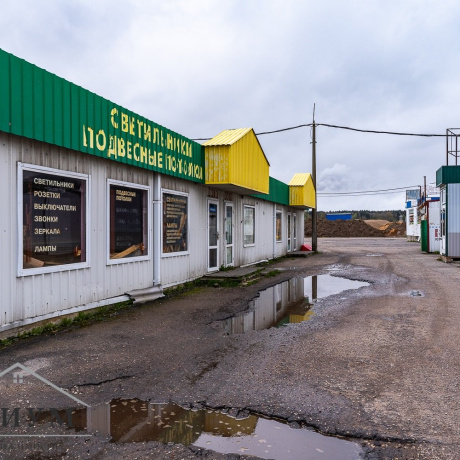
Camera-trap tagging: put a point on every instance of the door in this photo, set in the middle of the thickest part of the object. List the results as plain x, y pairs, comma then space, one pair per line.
213, 236
289, 234
228, 226
294, 232
443, 248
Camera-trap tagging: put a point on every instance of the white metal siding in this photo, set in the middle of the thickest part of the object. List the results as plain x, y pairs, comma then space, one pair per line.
42, 294
181, 268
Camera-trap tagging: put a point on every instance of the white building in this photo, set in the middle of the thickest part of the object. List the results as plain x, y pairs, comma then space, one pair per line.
102, 205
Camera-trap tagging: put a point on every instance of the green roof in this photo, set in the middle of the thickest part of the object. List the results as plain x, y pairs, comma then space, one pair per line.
448, 175
278, 192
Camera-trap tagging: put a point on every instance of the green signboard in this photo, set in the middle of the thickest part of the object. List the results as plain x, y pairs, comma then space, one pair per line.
39, 105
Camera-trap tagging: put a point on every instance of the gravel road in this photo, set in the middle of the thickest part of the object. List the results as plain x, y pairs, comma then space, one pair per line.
378, 365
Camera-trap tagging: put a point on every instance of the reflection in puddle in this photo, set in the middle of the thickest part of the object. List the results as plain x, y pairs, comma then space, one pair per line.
140, 421
287, 302
321, 286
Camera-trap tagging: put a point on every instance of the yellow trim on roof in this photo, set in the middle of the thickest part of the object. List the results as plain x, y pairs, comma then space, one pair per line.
300, 179
228, 136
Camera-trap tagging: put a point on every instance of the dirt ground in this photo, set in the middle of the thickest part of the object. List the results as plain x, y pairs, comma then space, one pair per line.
378, 365
356, 228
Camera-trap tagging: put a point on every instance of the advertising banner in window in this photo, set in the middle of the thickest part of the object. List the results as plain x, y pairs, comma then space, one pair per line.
248, 225
128, 222
278, 226
54, 219
175, 215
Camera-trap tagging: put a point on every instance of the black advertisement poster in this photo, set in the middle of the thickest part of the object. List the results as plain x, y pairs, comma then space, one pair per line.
175, 223
53, 219
127, 222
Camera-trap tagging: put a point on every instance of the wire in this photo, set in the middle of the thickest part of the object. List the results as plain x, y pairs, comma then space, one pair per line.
394, 133
380, 132
368, 191
286, 129
358, 194
265, 132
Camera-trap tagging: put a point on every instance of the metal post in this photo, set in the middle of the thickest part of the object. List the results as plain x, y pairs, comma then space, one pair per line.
447, 147
424, 187
314, 234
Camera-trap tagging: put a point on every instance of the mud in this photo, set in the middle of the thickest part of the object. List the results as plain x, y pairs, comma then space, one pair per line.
376, 365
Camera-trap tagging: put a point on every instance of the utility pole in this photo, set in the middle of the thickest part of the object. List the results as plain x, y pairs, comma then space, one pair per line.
314, 234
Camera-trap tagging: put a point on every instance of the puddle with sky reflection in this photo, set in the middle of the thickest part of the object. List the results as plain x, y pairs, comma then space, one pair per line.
287, 302
130, 421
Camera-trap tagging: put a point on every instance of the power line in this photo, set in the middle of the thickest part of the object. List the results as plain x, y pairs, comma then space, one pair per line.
306, 125
380, 132
358, 194
368, 191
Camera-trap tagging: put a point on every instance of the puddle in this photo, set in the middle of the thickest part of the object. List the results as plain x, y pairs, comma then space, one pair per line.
322, 286
287, 302
374, 255
127, 421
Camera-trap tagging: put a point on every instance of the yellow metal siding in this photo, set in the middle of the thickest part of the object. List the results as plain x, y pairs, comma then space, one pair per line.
217, 165
234, 158
301, 191
248, 165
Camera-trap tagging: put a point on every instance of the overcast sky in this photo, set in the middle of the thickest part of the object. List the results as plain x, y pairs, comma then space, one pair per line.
200, 66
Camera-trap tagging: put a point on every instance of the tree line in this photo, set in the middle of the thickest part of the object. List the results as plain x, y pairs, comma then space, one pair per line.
390, 215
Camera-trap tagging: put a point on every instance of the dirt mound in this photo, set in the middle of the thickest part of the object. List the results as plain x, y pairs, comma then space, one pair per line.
355, 228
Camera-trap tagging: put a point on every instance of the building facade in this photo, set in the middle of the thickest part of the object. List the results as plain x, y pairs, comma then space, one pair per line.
102, 205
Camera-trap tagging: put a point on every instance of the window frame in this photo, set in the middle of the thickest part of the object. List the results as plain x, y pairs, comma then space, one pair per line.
21, 271
144, 188
247, 245
177, 253
280, 213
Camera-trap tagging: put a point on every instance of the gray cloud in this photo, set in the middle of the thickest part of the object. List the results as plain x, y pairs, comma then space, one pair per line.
198, 68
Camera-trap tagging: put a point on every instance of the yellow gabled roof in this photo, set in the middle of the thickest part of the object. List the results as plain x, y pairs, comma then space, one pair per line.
300, 179
228, 136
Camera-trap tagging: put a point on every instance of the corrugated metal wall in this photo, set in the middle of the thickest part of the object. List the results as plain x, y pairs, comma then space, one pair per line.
44, 294
35, 295
180, 268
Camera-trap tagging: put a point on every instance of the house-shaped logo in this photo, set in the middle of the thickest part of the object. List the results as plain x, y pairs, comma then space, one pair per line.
32, 417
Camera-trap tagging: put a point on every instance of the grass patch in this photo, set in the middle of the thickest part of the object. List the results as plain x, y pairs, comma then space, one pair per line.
82, 319
272, 273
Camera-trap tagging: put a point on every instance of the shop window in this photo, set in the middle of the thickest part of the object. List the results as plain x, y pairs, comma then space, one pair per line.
128, 222
249, 225
175, 223
53, 217
279, 230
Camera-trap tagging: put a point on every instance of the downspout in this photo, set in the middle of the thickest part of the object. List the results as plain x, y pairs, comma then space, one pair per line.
274, 230
157, 230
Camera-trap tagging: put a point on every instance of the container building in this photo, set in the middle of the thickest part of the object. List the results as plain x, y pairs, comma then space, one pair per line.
448, 180
101, 204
